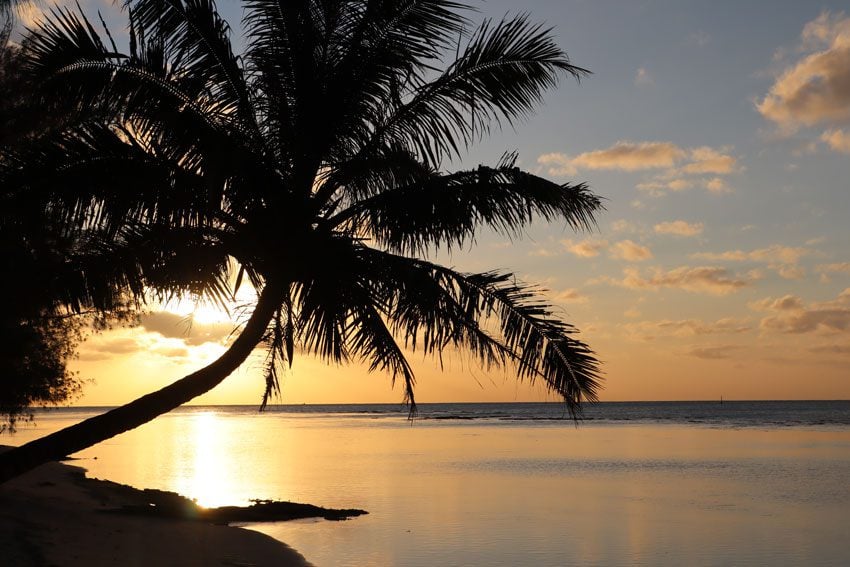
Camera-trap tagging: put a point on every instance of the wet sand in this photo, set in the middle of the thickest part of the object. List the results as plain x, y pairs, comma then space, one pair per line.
55, 516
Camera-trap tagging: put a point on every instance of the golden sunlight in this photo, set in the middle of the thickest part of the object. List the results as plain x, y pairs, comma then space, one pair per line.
206, 472
203, 313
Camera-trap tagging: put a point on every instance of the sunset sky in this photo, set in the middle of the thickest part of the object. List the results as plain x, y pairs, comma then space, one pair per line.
719, 135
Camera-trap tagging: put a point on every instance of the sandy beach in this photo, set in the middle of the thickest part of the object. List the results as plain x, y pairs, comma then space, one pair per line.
55, 516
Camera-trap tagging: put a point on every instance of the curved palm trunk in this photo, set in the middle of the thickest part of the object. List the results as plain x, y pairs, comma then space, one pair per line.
99, 428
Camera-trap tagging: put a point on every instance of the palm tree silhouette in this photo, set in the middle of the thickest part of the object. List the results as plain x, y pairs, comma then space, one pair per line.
311, 164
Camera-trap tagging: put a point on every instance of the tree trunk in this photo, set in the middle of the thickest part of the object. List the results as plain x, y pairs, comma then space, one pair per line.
21, 459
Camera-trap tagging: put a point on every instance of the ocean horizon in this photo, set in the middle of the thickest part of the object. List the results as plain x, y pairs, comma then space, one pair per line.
716, 412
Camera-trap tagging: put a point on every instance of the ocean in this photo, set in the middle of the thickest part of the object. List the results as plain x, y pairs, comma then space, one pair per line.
637, 483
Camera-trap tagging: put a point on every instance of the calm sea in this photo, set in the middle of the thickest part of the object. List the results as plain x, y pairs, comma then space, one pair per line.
667, 483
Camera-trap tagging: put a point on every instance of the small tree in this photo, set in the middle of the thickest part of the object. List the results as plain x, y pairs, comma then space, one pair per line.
38, 337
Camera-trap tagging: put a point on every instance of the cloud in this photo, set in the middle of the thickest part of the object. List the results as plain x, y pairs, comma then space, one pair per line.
630, 251
709, 160
676, 168
699, 279
631, 156
543, 252
717, 186
790, 272
557, 164
622, 225
837, 268
715, 352
171, 325
789, 315
831, 349
103, 347
838, 140
699, 38
784, 303
815, 89
680, 184
643, 78
622, 156
771, 254
781, 259
124, 342
659, 188
569, 296
679, 228
585, 248
650, 330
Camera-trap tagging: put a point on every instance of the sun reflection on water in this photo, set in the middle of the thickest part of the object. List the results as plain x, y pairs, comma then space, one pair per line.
206, 475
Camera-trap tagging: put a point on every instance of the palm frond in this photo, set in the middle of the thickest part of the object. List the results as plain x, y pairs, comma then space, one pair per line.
501, 75
145, 87
376, 47
447, 210
196, 44
370, 339
488, 314
97, 175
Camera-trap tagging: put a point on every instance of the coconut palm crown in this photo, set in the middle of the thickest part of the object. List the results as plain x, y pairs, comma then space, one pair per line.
311, 164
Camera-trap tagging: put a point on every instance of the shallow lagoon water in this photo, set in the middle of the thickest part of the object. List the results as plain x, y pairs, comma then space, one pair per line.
492, 489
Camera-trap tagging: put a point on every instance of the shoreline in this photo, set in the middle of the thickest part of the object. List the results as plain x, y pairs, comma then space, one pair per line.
56, 516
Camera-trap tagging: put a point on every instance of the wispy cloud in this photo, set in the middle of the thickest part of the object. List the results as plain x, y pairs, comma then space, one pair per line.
714, 352
835, 268
790, 315
630, 251
651, 330
585, 248
781, 259
679, 228
784, 303
699, 38
716, 185
622, 156
623, 225
709, 160
840, 349
643, 78
696, 279
569, 296
180, 327
837, 140
675, 168
772, 254
124, 342
627, 250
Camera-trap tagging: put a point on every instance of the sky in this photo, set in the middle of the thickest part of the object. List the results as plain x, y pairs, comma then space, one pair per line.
718, 134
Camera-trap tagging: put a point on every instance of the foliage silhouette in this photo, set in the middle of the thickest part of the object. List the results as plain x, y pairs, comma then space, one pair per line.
38, 339
311, 166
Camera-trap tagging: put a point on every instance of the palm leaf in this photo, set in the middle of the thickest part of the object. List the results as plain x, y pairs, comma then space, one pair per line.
488, 314
501, 75
447, 210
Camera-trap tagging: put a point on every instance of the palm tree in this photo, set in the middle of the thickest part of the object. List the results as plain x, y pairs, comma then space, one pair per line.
312, 165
